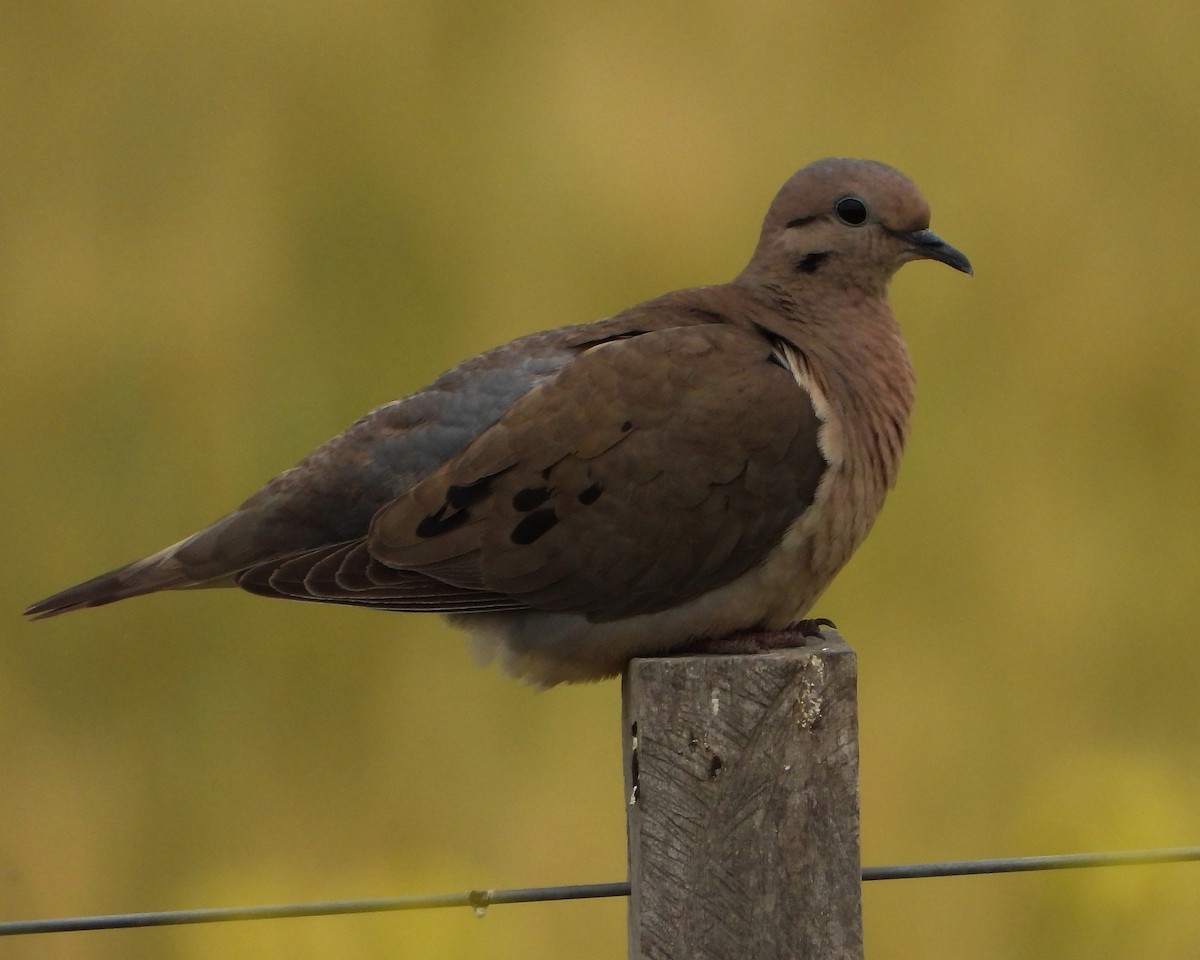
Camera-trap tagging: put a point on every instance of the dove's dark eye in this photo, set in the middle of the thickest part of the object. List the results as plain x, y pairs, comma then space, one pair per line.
851, 211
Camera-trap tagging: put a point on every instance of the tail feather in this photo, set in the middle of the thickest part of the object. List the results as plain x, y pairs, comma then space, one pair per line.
159, 572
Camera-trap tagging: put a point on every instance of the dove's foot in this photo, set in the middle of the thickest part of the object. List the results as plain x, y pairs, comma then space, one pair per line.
812, 628
758, 641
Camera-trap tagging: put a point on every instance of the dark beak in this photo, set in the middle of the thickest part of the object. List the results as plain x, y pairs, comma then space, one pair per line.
929, 246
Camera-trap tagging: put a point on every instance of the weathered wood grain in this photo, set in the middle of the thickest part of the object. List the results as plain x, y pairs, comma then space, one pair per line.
741, 777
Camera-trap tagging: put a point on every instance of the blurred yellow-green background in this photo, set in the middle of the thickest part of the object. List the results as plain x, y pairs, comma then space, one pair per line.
228, 229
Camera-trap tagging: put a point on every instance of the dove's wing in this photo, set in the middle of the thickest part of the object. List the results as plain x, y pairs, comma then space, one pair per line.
652, 468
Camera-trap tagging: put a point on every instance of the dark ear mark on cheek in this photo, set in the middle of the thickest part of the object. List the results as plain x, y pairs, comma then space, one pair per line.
810, 263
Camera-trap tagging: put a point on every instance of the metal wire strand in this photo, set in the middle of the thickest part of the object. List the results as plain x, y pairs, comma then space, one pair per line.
480, 900
1066, 861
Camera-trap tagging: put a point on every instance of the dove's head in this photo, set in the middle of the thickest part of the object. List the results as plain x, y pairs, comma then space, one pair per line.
849, 222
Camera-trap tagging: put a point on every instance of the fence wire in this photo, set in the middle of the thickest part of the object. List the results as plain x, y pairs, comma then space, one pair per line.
480, 900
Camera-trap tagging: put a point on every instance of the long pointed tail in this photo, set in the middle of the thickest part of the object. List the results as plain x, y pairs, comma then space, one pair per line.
159, 572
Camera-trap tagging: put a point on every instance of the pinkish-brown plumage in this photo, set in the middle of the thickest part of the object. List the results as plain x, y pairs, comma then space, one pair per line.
701, 464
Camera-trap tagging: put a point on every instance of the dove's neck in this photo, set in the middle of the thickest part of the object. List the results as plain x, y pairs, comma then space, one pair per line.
853, 351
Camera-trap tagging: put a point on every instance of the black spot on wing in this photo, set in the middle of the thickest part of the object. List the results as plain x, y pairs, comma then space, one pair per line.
531, 498
534, 526
459, 497
442, 521
454, 512
589, 495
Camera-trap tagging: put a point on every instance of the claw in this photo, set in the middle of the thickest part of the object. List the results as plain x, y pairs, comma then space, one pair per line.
812, 628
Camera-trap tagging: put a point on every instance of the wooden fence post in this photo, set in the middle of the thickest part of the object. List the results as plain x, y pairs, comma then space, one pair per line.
741, 775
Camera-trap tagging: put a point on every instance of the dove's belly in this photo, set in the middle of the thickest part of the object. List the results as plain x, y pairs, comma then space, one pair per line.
546, 648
